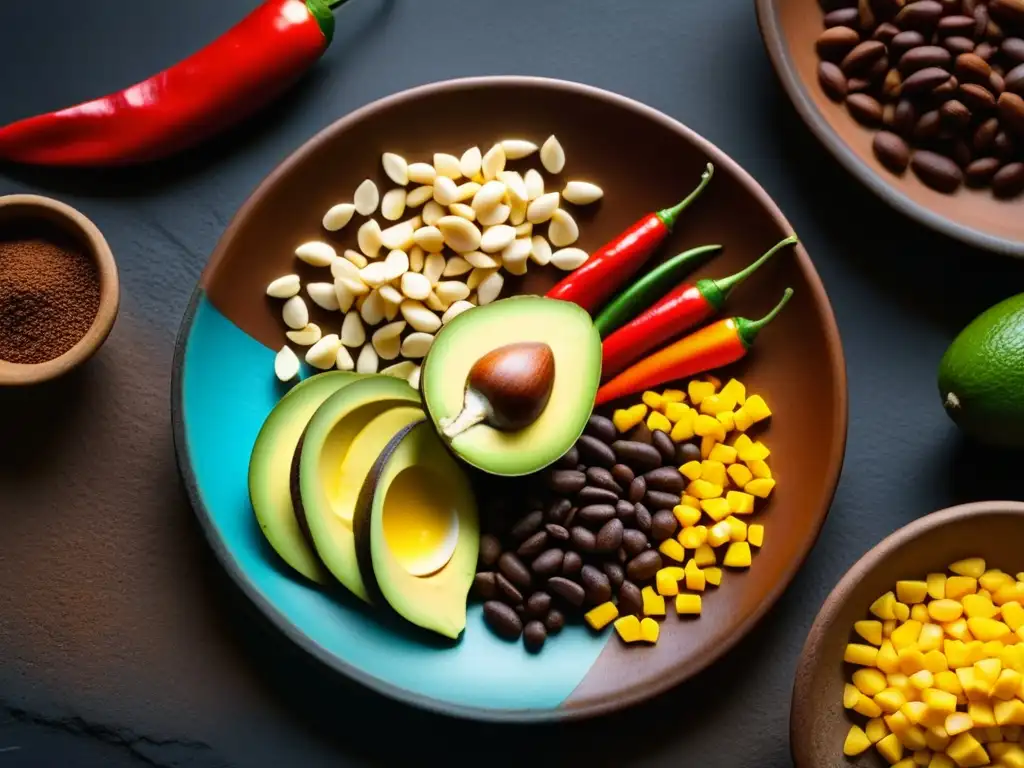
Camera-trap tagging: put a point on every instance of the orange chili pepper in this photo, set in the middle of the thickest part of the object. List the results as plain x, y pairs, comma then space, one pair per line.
713, 346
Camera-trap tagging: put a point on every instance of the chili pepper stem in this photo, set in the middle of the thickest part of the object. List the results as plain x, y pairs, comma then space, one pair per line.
747, 330
726, 284
669, 215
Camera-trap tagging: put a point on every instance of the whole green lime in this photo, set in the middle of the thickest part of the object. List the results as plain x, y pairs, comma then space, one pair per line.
981, 376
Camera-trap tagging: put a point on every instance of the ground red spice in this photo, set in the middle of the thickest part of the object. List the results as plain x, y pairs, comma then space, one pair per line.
49, 292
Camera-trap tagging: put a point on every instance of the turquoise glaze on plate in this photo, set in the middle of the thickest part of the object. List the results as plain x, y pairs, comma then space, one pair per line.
224, 387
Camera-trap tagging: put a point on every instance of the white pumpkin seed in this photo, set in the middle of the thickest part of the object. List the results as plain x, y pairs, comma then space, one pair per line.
470, 162
396, 168
432, 211
324, 354
399, 236
338, 216
450, 291
456, 266
434, 268
416, 257
422, 173
447, 166
477, 276
415, 286
345, 297
375, 274
397, 264
552, 156
344, 361
367, 361
493, 162
456, 309
569, 258
316, 253
429, 238
497, 215
516, 254
353, 334
416, 345
284, 287
414, 378
540, 250
488, 196
373, 308
516, 149
534, 184
370, 238
517, 215
366, 198
463, 210
391, 330
295, 313
497, 238
582, 192
541, 209
357, 259
524, 230
306, 337
419, 196
490, 289
563, 230
480, 260
466, 191
515, 185
419, 317
392, 295
402, 370
323, 295
445, 191
286, 364
459, 234
393, 205
434, 303
355, 286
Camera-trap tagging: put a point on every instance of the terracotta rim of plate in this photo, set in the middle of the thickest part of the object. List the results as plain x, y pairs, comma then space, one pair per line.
637, 695
67, 218
803, 696
778, 52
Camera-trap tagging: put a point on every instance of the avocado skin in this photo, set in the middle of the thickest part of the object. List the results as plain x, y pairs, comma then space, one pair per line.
981, 376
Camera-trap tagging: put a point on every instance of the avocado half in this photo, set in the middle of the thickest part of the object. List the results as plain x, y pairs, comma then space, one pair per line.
576, 344
417, 531
338, 448
270, 468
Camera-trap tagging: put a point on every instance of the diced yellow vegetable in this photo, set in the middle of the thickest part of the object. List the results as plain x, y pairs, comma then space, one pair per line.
979, 606
913, 739
939, 701
702, 489
883, 606
691, 470
876, 729
713, 471
915, 711
868, 681
958, 722
934, 661
958, 586
717, 509
911, 660
708, 426
862, 655
887, 660
761, 487
735, 391
930, 638
967, 751
687, 515
760, 469
742, 419
683, 428
922, 680
911, 591
698, 390
740, 502
667, 580
901, 611
757, 408
906, 634
659, 421
649, 630
922, 757
727, 420
741, 442
719, 533
973, 567
856, 742
1009, 593
945, 610
869, 630
740, 475
712, 405
737, 528
993, 579
987, 671
937, 739
673, 550
948, 681
695, 581
1013, 615
756, 451
738, 556
688, 605
957, 629
602, 615
673, 396
981, 714
724, 454
707, 445
936, 585
691, 501
691, 538
674, 412
627, 418
988, 629
891, 748
652, 400
755, 534
628, 628
919, 613
654, 604
1009, 712
890, 700
713, 576
993, 649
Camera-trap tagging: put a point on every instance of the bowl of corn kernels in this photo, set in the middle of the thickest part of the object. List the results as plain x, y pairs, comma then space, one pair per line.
917, 656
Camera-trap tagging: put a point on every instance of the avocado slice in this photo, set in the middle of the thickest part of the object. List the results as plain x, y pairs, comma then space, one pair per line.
570, 333
270, 468
417, 531
338, 448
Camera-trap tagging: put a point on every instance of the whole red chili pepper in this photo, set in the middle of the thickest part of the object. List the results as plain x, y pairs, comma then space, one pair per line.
228, 80
713, 346
681, 309
617, 261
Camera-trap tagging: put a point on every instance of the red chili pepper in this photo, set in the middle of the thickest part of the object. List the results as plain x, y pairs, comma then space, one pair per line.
617, 261
228, 80
713, 346
683, 308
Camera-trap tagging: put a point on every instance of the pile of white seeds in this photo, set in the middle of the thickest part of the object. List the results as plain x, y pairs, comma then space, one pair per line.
473, 219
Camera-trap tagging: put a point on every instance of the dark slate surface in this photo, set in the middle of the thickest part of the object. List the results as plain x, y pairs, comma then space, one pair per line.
121, 641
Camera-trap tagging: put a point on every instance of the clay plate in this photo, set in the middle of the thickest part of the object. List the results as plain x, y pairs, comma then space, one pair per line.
224, 386
818, 723
790, 28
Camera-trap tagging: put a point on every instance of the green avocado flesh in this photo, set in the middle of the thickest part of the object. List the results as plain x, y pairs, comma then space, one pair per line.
417, 531
270, 470
576, 345
981, 376
344, 438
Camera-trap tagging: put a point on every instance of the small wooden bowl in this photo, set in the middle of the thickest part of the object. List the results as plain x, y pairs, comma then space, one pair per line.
33, 207
818, 723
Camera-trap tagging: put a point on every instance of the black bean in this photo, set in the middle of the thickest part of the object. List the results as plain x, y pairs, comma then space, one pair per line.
538, 605
557, 532
557, 511
687, 452
602, 478
571, 565
534, 636
490, 550
548, 563
610, 536
569, 591
594, 495
593, 451
502, 620
623, 475
663, 525
625, 511
555, 621
637, 489
616, 574
595, 514
507, 590
661, 500
641, 433
664, 445
534, 545
600, 427
638, 456
484, 586
643, 567
569, 517
596, 585
527, 526
582, 539
643, 518
667, 479
570, 459
631, 601
621, 556
514, 570
634, 542
567, 481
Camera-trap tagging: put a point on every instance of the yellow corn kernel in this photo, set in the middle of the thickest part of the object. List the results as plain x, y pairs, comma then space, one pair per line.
988, 629
702, 489
906, 635
945, 610
856, 742
602, 615
1010, 593
755, 535
915, 711
937, 740
975, 650
1013, 615
922, 680
876, 729
698, 390
659, 421
981, 714
913, 739
673, 396
756, 451
957, 629
973, 567
974, 689
967, 751
891, 748
683, 428
1009, 712
628, 628
987, 671
934, 661
686, 515
1013, 658
948, 681
869, 681
870, 630
726, 418
627, 418
723, 454
691, 501
667, 580
911, 660
993, 579
901, 683
740, 503
936, 585
673, 550
704, 556
691, 470
707, 445
649, 630
735, 391
695, 581
760, 487
958, 586
741, 442
939, 701
757, 408
957, 723
708, 426
919, 613
911, 591
691, 538
887, 660
654, 604
931, 635
861, 655
713, 471
713, 405
993, 649
676, 411
760, 469
717, 509
738, 556
688, 605
737, 528
713, 576
901, 611
978, 606
739, 474
652, 400
719, 533
742, 420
